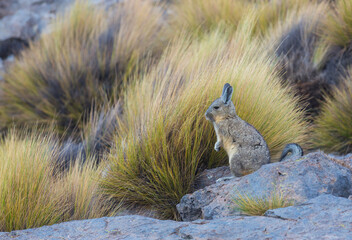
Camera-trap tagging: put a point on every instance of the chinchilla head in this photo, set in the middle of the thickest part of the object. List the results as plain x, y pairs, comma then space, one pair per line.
222, 108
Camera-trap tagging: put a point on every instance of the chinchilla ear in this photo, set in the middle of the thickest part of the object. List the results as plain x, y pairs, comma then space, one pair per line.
226, 93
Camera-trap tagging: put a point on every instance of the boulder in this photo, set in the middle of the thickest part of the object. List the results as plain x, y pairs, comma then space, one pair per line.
345, 161
26, 19
209, 177
299, 180
11, 46
324, 217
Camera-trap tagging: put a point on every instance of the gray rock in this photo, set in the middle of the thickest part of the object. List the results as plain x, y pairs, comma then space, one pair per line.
325, 217
209, 176
27, 19
345, 161
300, 180
11, 46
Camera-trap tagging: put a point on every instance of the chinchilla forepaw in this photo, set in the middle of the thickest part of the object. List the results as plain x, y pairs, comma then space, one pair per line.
217, 146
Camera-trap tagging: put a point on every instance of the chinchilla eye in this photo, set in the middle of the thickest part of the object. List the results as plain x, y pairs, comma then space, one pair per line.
216, 107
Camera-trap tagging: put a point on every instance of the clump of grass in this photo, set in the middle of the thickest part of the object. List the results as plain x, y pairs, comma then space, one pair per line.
33, 194
338, 24
25, 184
96, 139
334, 57
297, 53
333, 127
257, 206
272, 13
202, 16
80, 65
79, 194
166, 140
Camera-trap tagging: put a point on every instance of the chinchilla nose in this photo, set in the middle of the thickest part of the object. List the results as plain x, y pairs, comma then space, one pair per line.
208, 115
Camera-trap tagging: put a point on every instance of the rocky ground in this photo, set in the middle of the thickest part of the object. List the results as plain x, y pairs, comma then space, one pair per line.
300, 179
324, 217
320, 184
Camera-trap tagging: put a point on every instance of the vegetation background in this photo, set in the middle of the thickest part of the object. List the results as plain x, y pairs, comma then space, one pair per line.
106, 111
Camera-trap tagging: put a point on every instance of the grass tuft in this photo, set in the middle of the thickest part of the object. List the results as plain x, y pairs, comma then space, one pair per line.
202, 16
33, 194
80, 65
257, 206
333, 127
338, 24
298, 54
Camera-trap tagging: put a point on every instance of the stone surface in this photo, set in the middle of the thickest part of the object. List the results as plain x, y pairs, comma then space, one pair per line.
300, 180
11, 46
209, 176
324, 217
345, 161
27, 19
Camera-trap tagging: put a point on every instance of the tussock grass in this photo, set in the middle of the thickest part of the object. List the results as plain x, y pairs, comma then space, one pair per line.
199, 16
166, 140
333, 127
25, 184
338, 24
79, 194
257, 206
334, 50
272, 13
296, 47
202, 16
97, 136
33, 194
80, 65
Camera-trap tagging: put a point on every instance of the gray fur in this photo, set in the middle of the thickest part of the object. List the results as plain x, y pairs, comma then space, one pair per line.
295, 150
245, 146
226, 93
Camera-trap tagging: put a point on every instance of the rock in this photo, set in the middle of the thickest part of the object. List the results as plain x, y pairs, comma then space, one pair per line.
345, 161
209, 176
27, 19
4, 8
324, 217
11, 46
316, 209
300, 180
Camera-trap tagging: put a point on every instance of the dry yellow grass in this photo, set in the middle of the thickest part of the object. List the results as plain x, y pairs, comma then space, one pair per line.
80, 65
33, 194
196, 16
257, 206
332, 131
202, 16
338, 24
